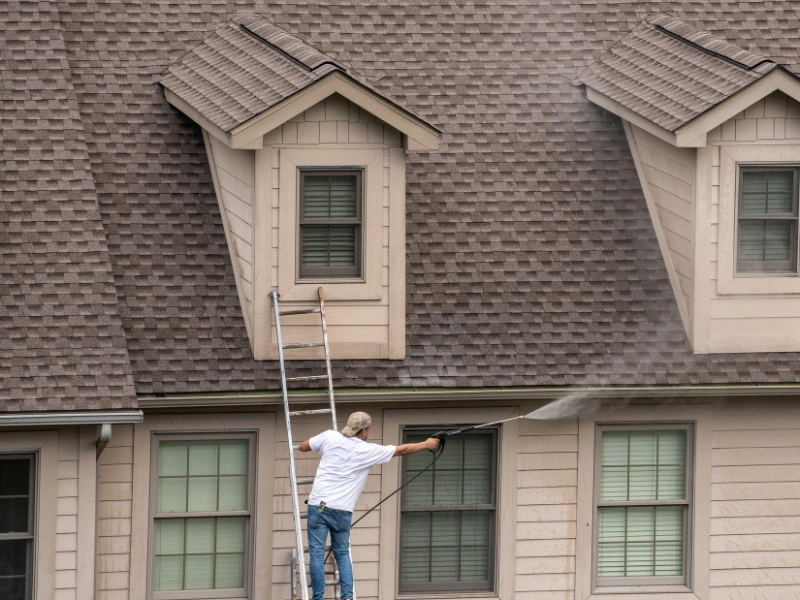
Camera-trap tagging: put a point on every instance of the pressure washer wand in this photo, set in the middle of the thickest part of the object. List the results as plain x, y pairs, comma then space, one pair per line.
443, 435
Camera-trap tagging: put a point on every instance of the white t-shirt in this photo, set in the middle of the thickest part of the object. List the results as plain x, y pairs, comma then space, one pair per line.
344, 467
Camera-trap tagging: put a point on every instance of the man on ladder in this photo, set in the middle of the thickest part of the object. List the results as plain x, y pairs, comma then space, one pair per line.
341, 475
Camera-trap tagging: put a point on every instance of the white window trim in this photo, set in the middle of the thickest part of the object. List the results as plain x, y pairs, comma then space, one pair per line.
507, 460
262, 425
731, 157
700, 417
44, 445
370, 286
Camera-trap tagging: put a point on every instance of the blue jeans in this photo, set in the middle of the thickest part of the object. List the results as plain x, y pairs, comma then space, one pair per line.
319, 524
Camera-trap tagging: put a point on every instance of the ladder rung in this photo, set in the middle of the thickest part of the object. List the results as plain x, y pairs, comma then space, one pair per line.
304, 515
302, 311
295, 446
307, 378
304, 480
295, 346
301, 413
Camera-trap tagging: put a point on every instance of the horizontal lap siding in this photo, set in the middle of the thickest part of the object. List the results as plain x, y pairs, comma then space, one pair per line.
114, 498
755, 514
546, 507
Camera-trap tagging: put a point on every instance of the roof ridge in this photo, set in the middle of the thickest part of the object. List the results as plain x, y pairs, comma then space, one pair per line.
710, 44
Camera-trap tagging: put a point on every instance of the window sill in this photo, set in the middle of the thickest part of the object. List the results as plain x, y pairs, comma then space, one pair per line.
767, 283
482, 595
305, 291
638, 593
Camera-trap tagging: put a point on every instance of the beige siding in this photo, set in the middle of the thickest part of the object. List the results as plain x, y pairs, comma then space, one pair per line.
546, 504
755, 520
234, 174
738, 322
668, 175
358, 327
114, 497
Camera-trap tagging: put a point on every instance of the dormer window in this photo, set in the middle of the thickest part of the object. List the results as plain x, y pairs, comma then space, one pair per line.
767, 220
330, 236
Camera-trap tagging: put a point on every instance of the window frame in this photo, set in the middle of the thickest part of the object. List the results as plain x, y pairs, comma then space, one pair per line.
791, 266
250, 534
30, 534
463, 586
321, 274
684, 580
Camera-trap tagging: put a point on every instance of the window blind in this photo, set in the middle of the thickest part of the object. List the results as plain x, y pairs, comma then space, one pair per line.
767, 224
642, 466
446, 534
330, 223
202, 552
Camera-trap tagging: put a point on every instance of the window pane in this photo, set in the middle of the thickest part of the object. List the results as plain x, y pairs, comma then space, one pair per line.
200, 536
233, 457
655, 469
330, 196
199, 572
203, 458
12, 588
229, 571
13, 558
202, 494
233, 493
169, 573
640, 541
328, 245
170, 536
15, 477
13, 515
172, 494
767, 191
231, 534
765, 240
172, 459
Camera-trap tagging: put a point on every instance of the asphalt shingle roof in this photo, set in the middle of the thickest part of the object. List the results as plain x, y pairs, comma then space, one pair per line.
670, 72
62, 345
531, 259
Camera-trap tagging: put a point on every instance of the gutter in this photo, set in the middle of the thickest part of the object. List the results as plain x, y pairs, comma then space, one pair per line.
70, 418
355, 396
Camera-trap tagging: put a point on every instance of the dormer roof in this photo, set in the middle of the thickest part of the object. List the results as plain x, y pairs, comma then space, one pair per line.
250, 68
668, 74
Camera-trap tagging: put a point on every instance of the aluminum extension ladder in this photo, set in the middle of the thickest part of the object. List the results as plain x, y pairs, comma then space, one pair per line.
298, 561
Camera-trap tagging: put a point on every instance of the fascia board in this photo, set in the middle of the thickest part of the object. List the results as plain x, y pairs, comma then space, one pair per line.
70, 418
251, 132
195, 116
779, 79
616, 108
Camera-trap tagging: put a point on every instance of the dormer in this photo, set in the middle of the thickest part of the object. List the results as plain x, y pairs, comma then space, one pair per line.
714, 131
308, 162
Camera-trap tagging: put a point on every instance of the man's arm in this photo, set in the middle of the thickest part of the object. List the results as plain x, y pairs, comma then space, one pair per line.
305, 446
429, 444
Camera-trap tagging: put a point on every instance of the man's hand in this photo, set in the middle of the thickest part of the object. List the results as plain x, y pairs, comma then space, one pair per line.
429, 444
304, 446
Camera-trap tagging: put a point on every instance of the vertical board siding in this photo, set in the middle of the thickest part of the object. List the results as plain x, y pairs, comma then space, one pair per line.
546, 510
755, 516
751, 323
670, 176
235, 175
66, 575
114, 497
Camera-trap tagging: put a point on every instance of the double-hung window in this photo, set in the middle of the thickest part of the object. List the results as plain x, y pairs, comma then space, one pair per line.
17, 510
330, 236
643, 506
448, 516
202, 517
767, 215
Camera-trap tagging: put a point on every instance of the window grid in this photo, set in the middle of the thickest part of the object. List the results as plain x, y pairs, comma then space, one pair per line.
747, 222
643, 504
418, 510
216, 515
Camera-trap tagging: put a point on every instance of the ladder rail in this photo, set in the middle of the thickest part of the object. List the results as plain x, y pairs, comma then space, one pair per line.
292, 471
327, 356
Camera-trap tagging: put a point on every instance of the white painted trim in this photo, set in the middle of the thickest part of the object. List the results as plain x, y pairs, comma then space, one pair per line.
397, 254
223, 213
67, 418
262, 250
700, 415
626, 114
675, 283
730, 158
251, 132
507, 485
779, 79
